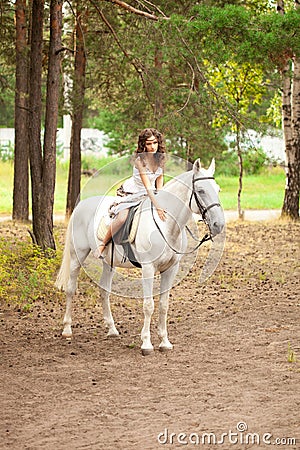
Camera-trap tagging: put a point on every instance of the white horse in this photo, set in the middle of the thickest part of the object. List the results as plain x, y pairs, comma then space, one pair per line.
158, 245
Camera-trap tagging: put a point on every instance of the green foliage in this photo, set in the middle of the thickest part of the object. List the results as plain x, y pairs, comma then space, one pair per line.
7, 92
26, 274
240, 86
255, 161
7, 152
156, 75
165, 83
95, 163
7, 60
273, 112
234, 31
121, 138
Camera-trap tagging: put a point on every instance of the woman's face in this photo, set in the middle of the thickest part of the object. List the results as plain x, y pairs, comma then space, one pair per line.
151, 144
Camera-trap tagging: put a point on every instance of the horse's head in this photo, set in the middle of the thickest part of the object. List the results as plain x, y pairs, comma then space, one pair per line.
205, 197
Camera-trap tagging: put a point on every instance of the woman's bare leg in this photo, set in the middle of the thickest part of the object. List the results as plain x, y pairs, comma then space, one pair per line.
116, 225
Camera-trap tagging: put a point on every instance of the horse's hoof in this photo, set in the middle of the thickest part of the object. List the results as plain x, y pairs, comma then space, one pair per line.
66, 335
112, 335
165, 349
147, 351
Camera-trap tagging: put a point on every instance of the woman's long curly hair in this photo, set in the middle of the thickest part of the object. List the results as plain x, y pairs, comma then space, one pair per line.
160, 155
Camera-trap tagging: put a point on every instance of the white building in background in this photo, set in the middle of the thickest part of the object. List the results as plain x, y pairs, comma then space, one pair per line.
7, 137
93, 141
273, 146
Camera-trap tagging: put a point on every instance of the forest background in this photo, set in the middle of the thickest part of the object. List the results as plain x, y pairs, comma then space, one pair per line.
196, 71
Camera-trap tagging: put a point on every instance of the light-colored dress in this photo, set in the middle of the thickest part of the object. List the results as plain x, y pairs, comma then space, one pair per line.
135, 190
135, 185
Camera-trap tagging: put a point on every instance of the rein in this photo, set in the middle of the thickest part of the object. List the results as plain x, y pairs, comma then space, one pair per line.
203, 210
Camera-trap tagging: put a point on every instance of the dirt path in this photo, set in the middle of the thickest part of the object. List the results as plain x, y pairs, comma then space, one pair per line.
228, 371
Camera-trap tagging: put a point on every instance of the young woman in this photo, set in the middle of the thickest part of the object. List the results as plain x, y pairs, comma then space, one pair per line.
147, 177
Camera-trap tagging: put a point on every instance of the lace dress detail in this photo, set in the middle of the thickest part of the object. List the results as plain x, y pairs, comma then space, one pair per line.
134, 184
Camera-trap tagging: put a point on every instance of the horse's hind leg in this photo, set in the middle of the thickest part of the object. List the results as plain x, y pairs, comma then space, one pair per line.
105, 288
75, 266
70, 291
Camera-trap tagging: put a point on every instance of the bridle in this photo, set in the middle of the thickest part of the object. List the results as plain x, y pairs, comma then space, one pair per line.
203, 211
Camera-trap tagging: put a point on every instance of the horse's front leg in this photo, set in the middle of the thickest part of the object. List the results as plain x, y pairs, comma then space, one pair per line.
166, 282
148, 307
105, 288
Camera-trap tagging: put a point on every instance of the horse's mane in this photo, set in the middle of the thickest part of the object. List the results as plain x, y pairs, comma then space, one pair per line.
182, 178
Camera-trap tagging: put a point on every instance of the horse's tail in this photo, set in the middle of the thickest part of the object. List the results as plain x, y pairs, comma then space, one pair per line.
64, 271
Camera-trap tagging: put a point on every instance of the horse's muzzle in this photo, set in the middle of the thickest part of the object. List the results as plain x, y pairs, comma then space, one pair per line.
216, 226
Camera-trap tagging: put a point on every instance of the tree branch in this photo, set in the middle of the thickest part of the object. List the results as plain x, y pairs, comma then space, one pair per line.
155, 7
138, 67
136, 11
62, 49
206, 82
192, 87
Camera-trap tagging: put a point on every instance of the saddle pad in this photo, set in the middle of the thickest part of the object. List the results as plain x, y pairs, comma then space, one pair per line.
135, 224
103, 226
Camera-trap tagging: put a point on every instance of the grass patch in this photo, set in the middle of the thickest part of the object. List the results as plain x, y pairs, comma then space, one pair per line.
6, 187
263, 191
291, 354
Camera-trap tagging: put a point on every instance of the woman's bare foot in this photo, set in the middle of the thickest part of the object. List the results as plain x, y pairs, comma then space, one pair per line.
98, 253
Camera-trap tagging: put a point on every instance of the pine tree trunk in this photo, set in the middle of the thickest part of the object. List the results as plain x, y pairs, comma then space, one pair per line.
52, 102
78, 108
21, 169
35, 114
42, 164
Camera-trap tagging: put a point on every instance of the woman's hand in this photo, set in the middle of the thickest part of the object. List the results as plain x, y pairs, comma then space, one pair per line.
161, 213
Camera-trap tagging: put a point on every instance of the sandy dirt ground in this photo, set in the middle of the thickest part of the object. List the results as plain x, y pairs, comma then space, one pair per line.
232, 380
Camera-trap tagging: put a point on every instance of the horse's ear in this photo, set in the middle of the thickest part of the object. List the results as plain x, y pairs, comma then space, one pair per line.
212, 166
197, 165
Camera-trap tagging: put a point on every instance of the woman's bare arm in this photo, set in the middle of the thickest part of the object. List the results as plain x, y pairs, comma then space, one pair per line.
144, 177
